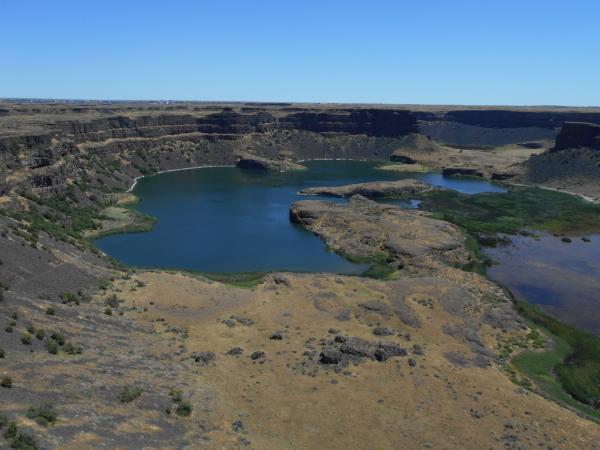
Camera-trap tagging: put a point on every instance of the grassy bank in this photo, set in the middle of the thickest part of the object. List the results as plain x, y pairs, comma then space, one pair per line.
116, 219
569, 372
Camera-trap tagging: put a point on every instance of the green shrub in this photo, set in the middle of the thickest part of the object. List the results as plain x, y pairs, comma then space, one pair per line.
50, 311
2, 353
26, 338
40, 334
183, 409
69, 297
58, 337
43, 414
18, 440
11, 431
23, 441
176, 395
30, 329
3, 421
72, 349
129, 394
51, 346
108, 311
6, 381
8, 328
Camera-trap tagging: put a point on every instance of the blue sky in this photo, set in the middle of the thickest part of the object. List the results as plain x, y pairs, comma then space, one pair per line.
437, 52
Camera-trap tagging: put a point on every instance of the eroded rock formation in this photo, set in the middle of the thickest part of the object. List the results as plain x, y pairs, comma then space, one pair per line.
377, 189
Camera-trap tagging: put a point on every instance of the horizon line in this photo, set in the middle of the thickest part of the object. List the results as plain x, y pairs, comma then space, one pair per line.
284, 102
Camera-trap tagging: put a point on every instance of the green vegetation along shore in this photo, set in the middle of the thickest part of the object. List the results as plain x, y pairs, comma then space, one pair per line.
570, 371
520, 208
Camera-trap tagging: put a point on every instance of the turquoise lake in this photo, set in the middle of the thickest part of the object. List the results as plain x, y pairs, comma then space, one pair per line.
224, 219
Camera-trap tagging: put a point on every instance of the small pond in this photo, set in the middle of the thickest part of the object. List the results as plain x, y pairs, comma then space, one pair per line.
562, 277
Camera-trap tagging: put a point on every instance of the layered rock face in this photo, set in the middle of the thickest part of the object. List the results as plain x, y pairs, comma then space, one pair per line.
46, 146
51, 146
578, 135
226, 123
575, 158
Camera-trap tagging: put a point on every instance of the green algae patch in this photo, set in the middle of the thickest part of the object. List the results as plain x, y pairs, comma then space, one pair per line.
518, 209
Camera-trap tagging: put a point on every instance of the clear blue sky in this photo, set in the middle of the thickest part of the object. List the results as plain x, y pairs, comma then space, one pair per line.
442, 52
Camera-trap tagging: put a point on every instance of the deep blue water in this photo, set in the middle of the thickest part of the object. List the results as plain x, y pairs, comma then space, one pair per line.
231, 220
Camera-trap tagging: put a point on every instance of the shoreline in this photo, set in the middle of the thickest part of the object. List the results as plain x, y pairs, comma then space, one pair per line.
136, 179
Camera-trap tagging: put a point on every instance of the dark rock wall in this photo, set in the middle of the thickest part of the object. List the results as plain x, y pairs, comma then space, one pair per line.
578, 135
518, 119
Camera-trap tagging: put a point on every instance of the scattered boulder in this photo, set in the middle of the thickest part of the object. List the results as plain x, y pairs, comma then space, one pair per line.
358, 347
235, 320
257, 355
343, 349
330, 357
376, 306
281, 280
235, 351
344, 316
277, 336
385, 351
383, 331
203, 357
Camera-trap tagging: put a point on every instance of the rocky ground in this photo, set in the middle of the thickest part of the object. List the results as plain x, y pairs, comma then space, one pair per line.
364, 229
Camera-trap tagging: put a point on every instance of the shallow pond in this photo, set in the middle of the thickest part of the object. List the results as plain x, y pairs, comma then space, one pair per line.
562, 277
230, 220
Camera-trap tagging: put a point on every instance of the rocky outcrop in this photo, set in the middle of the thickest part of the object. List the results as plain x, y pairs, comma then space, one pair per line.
578, 135
253, 162
462, 171
573, 161
377, 189
490, 172
363, 229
